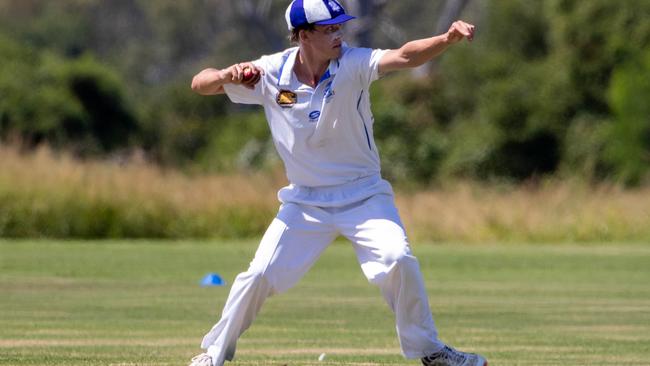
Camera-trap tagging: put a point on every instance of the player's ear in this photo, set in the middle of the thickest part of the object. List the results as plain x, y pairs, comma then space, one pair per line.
303, 35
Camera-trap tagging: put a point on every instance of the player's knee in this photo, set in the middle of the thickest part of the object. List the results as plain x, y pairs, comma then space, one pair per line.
390, 262
256, 276
251, 276
395, 253
269, 278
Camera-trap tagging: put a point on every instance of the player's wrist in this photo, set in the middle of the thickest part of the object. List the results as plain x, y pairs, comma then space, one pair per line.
227, 75
445, 39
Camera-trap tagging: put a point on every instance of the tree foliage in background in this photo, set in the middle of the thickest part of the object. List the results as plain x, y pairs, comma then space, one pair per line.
628, 150
555, 87
542, 91
78, 104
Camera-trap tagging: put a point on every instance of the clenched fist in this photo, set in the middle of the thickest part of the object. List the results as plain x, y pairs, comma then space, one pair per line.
460, 30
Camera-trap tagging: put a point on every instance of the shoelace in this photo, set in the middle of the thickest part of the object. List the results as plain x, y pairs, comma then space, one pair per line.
447, 354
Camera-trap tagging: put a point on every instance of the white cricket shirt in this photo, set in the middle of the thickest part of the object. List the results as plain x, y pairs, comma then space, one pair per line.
323, 134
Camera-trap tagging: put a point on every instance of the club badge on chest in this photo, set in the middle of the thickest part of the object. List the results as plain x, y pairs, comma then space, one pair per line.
286, 98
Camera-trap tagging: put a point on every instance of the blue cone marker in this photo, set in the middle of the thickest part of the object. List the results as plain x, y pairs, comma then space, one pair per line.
212, 279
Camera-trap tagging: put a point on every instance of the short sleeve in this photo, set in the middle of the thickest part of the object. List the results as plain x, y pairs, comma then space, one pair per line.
365, 63
373, 64
243, 95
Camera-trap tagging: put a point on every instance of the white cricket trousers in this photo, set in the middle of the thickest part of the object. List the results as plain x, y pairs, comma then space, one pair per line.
291, 245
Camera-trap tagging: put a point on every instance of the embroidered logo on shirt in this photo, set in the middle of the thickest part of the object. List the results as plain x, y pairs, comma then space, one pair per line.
314, 115
286, 98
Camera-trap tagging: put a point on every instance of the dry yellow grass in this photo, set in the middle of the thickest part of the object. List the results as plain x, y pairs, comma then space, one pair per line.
556, 211
54, 195
44, 170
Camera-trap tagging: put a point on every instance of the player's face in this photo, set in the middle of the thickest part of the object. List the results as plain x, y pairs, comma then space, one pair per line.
328, 40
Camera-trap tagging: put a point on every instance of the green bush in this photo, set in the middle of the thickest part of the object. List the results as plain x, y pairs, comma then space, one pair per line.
628, 146
528, 98
77, 104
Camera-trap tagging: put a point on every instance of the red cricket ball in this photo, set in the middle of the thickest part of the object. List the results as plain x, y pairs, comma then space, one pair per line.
248, 74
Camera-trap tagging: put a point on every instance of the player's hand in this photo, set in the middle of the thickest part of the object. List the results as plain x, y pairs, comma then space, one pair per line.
460, 30
239, 74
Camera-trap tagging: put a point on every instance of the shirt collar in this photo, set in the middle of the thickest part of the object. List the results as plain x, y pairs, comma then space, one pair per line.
287, 68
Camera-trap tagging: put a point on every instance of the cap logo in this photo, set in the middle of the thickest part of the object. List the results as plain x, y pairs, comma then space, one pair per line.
336, 7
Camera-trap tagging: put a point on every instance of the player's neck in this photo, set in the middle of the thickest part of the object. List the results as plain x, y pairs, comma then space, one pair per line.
309, 67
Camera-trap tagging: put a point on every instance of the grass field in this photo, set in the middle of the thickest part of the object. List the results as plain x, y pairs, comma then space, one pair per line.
128, 303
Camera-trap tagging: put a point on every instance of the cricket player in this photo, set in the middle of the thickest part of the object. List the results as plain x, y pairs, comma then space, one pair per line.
316, 100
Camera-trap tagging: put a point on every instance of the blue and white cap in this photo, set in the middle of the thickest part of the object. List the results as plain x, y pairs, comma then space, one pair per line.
321, 12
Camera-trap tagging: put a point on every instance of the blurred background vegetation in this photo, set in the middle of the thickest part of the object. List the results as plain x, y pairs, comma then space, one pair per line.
553, 89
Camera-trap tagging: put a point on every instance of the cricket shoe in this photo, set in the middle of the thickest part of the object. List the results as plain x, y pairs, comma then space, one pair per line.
451, 357
203, 359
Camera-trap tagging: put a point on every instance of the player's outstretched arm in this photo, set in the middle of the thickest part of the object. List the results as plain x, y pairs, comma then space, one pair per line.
211, 81
416, 53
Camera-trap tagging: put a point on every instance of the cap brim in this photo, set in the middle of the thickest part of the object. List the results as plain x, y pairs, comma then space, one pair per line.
338, 20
